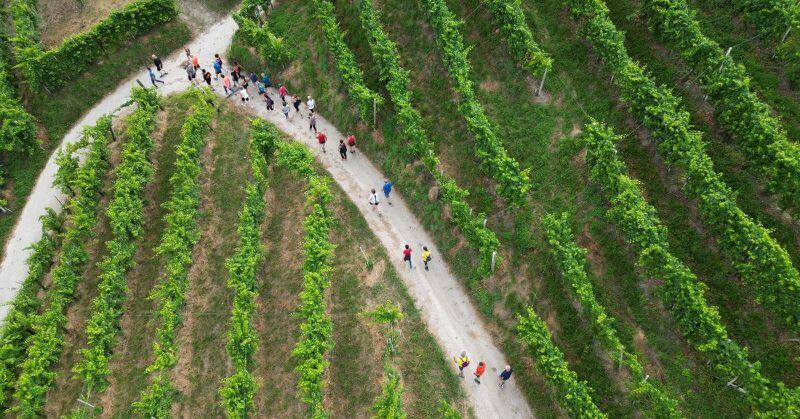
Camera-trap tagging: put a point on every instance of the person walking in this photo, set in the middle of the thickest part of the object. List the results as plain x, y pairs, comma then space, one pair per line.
505, 375
407, 256
462, 362
188, 53
265, 79
296, 102
245, 83
342, 150
207, 78
260, 87
374, 200
235, 77
283, 92
351, 142
387, 189
479, 371
157, 62
270, 102
253, 78
226, 84
311, 104
322, 139
196, 62
190, 72
153, 78
426, 256
312, 123
245, 96
217, 66
285, 110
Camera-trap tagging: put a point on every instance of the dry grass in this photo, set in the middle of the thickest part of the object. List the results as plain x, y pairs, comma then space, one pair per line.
62, 18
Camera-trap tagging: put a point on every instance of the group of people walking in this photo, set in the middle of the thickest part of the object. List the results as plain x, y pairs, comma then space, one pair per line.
463, 361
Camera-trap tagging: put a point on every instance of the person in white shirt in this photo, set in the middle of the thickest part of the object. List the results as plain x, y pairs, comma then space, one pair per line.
374, 200
311, 104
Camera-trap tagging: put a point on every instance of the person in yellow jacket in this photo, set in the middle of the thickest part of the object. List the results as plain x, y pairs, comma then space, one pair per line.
462, 362
426, 256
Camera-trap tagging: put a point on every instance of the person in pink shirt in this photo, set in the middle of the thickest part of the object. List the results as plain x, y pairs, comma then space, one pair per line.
282, 90
195, 62
226, 83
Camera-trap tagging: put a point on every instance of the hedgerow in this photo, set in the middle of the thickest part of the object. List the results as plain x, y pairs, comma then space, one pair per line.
572, 393
387, 59
177, 243
763, 264
53, 68
46, 342
125, 217
346, 64
17, 326
17, 130
682, 292
238, 389
508, 16
513, 183
739, 110
317, 328
572, 262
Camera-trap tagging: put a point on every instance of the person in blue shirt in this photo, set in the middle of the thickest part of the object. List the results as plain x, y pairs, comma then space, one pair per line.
217, 67
387, 189
265, 79
505, 375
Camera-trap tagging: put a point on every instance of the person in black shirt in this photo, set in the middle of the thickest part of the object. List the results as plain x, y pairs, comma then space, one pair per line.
505, 375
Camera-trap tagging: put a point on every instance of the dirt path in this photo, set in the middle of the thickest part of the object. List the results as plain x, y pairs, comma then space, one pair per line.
442, 300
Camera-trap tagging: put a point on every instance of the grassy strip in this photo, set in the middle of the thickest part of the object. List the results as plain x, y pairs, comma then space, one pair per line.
513, 183
238, 389
574, 395
740, 111
764, 264
125, 216
45, 344
17, 131
177, 245
572, 262
17, 326
317, 328
683, 293
387, 58
508, 16
346, 64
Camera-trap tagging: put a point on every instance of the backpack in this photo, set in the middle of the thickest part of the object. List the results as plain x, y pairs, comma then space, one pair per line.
428, 258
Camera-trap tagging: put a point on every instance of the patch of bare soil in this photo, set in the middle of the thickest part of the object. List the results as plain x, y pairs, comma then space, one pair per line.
63, 18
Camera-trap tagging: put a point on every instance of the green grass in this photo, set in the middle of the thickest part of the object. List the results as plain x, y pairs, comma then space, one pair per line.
58, 111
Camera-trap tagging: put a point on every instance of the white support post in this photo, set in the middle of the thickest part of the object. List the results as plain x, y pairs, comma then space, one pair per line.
541, 83
494, 259
484, 222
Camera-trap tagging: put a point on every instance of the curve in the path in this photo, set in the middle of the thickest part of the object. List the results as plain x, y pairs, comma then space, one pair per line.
442, 300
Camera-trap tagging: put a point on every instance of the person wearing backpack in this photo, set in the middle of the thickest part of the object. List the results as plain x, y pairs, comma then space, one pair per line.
462, 362
426, 256
351, 142
374, 200
322, 139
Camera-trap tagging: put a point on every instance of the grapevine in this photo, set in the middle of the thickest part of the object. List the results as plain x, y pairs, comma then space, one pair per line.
177, 244
44, 346
317, 328
125, 217
572, 261
509, 17
260, 37
346, 63
573, 394
387, 58
238, 389
683, 293
513, 182
764, 264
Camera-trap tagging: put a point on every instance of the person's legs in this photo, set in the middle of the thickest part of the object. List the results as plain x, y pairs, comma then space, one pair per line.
426, 265
460, 369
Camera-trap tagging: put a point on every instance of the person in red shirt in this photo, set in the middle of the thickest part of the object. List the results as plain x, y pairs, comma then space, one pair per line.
283, 92
479, 371
407, 256
322, 140
351, 142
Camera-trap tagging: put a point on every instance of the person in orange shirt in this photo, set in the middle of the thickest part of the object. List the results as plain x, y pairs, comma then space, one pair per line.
195, 62
479, 371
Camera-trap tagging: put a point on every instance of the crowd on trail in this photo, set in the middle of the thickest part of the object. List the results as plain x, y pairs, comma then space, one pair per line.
234, 81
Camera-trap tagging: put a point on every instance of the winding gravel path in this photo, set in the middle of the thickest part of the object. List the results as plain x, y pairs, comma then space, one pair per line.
444, 304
